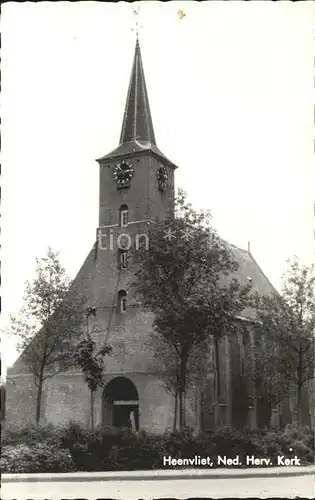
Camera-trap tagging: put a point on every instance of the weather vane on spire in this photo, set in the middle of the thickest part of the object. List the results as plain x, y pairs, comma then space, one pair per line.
138, 26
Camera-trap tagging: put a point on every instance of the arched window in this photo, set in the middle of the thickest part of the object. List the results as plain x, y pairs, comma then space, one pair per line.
123, 216
122, 301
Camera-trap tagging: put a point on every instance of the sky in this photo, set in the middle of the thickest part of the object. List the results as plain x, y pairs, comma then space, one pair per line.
231, 90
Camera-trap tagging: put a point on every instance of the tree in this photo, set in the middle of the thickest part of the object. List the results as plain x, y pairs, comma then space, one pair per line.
262, 369
91, 362
288, 323
49, 323
166, 365
180, 280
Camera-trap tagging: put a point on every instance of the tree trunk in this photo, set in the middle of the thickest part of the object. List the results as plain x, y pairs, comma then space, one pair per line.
217, 365
185, 407
299, 387
175, 411
182, 386
3, 403
181, 410
39, 400
92, 409
299, 404
269, 414
40, 390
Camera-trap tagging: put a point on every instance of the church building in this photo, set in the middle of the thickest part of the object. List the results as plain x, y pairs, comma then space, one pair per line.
136, 186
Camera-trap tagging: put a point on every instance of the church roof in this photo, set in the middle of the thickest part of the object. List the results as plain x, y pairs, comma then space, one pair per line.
137, 132
249, 272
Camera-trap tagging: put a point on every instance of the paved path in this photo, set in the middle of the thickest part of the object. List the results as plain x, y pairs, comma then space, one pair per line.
147, 489
286, 487
161, 474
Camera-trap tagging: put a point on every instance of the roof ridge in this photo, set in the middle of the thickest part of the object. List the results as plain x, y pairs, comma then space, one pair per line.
235, 246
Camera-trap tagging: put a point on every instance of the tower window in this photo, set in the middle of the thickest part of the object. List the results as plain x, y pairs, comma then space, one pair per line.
123, 216
122, 296
123, 259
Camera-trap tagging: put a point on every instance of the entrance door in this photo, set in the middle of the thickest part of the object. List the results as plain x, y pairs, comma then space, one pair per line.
121, 404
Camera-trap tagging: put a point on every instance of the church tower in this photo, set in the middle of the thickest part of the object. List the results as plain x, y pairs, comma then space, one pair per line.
136, 188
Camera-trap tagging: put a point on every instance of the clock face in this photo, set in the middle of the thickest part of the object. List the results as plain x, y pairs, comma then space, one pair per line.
163, 178
123, 173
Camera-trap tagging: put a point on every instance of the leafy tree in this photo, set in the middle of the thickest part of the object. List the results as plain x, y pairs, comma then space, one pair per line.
166, 364
183, 280
48, 323
288, 323
262, 369
91, 362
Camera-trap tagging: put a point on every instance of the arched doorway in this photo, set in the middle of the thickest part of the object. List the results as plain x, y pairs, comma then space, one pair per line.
121, 404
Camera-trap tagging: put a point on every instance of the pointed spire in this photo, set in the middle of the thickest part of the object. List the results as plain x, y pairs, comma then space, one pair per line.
137, 133
137, 122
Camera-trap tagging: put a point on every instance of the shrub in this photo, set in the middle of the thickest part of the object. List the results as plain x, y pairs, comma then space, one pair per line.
301, 434
181, 445
229, 443
288, 442
27, 434
137, 452
73, 433
296, 441
36, 458
74, 446
108, 449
